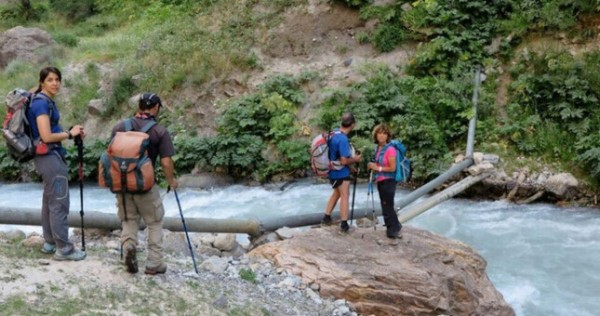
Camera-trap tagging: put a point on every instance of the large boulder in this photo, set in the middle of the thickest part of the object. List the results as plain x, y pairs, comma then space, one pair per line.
28, 44
423, 274
563, 185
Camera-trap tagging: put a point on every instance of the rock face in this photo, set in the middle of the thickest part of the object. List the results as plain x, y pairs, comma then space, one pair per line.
422, 274
25, 43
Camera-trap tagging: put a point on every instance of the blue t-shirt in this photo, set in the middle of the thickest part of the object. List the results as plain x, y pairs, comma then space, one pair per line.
339, 146
41, 105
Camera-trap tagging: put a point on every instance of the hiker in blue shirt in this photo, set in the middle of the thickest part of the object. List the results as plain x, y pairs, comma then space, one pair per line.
50, 164
340, 149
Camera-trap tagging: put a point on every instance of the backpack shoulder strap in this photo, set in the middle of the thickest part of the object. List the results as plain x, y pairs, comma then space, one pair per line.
128, 125
51, 104
382, 152
399, 147
148, 126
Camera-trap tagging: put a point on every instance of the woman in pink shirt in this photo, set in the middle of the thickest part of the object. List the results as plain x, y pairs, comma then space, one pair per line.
384, 165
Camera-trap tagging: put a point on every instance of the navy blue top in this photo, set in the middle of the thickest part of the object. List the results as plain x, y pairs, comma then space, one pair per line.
41, 105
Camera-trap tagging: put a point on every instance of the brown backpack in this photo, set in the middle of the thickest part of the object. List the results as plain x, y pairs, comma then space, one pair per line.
125, 167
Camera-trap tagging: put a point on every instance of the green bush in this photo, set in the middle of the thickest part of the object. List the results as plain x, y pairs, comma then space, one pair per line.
248, 275
66, 39
10, 170
546, 15
75, 11
20, 12
387, 37
428, 114
254, 135
554, 108
92, 150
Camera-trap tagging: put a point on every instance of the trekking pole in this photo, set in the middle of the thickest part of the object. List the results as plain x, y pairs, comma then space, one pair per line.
79, 143
370, 193
185, 228
353, 195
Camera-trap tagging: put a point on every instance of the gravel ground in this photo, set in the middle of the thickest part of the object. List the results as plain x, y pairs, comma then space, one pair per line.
33, 283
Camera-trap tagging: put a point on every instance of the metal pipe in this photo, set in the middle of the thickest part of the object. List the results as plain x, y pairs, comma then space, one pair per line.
440, 197
429, 186
28, 216
473, 121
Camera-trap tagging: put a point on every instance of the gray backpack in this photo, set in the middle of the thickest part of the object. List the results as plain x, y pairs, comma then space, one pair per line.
16, 130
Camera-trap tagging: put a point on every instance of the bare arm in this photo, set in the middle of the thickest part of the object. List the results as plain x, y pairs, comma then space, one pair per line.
348, 161
169, 169
43, 123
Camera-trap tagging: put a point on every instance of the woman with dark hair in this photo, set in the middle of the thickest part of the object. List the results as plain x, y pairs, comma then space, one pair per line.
43, 116
384, 165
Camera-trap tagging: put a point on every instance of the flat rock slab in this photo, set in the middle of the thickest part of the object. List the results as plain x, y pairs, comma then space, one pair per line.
420, 274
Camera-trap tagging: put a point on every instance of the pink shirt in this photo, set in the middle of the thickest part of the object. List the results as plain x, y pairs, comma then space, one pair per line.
389, 155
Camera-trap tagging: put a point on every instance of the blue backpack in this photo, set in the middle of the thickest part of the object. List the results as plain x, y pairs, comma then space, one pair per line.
403, 171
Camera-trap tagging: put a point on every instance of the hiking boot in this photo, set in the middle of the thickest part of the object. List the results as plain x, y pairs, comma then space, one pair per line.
75, 255
344, 227
131, 260
395, 235
326, 221
394, 241
161, 269
48, 248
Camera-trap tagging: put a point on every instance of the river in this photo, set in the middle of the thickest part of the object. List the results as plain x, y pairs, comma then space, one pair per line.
542, 258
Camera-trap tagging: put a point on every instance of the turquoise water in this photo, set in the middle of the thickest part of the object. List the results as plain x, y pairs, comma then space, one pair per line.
543, 259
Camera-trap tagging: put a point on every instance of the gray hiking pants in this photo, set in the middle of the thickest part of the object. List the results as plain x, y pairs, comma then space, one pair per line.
147, 206
55, 201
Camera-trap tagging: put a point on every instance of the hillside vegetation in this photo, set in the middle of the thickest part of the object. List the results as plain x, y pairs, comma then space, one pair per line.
538, 106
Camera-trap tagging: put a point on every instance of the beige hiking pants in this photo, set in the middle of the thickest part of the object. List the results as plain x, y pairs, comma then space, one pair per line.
148, 207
